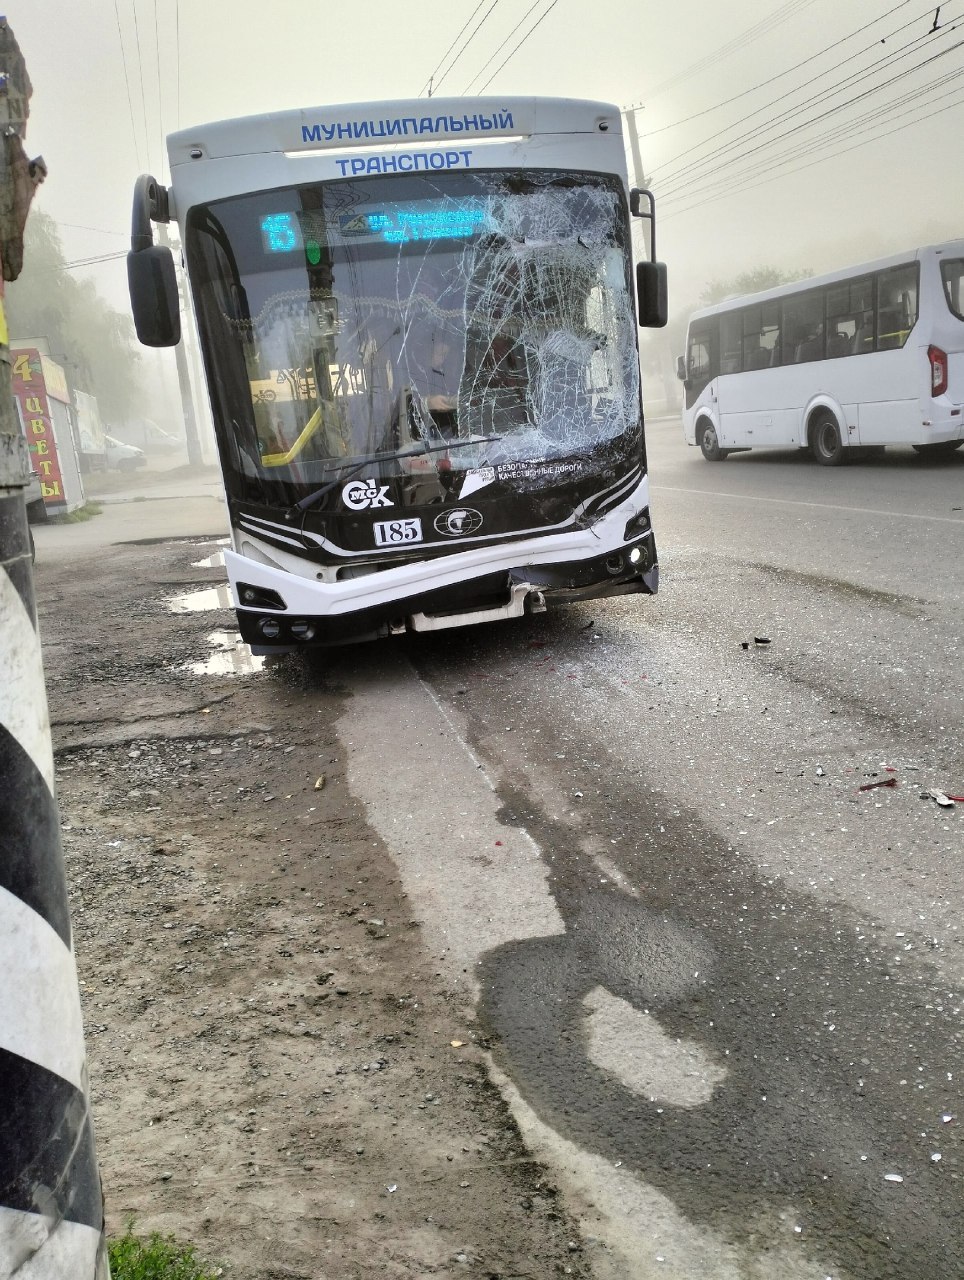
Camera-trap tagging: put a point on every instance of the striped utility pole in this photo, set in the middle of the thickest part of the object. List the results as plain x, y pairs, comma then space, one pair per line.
51, 1208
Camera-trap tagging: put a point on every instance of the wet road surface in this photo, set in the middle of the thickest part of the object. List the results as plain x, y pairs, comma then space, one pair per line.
740, 981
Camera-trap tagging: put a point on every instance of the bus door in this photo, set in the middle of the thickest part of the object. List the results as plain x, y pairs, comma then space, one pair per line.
751, 412
702, 362
889, 403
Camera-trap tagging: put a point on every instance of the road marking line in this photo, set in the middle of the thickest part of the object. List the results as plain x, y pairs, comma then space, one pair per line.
795, 502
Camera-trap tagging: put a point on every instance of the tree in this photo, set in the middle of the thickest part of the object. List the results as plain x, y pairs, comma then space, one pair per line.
95, 342
754, 281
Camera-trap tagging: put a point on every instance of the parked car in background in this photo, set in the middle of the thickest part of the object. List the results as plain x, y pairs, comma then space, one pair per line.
124, 457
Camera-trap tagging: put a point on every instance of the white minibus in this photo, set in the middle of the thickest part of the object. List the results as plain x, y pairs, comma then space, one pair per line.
856, 359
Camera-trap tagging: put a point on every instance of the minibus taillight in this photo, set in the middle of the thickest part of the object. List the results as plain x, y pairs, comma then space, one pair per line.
938, 359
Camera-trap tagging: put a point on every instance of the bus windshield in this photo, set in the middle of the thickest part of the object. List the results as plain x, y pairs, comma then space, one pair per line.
363, 317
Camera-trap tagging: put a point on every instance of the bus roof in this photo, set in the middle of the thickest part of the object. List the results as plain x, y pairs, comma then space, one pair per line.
398, 121
953, 248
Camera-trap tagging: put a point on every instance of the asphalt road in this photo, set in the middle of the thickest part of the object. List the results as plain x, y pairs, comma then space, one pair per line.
722, 982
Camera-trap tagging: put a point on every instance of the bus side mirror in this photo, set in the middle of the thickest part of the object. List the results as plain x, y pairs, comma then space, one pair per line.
152, 281
681, 368
651, 294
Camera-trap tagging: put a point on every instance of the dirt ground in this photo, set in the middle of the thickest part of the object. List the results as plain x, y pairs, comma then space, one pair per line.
278, 1073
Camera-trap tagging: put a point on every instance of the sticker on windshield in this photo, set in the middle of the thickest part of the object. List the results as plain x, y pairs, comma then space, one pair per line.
477, 480
458, 523
391, 533
362, 494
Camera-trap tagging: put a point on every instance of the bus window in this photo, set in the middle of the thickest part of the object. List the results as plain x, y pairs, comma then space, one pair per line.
761, 333
896, 306
803, 327
703, 357
952, 274
731, 343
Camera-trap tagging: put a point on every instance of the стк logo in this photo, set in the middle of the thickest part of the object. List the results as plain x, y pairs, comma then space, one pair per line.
458, 523
362, 494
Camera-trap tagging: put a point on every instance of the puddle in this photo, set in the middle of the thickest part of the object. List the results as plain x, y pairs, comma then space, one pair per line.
203, 601
231, 657
215, 561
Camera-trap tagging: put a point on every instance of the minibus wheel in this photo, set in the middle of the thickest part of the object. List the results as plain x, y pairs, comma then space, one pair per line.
825, 442
709, 441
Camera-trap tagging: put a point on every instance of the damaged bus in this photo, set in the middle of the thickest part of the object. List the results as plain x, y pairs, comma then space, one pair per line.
418, 328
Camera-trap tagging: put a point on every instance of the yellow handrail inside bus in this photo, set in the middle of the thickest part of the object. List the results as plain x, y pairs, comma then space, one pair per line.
309, 429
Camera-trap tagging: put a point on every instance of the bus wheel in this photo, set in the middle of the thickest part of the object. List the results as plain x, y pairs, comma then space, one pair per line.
825, 442
709, 442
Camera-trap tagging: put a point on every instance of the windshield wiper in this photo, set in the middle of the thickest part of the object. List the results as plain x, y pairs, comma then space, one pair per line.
350, 469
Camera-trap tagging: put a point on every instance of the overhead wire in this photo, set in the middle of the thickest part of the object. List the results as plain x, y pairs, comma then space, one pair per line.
900, 106
127, 81
478, 76
518, 46
838, 86
712, 197
177, 63
475, 31
675, 124
429, 83
684, 172
140, 73
160, 91
761, 28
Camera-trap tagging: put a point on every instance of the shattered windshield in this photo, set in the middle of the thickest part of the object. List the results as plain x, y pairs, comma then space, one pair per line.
365, 317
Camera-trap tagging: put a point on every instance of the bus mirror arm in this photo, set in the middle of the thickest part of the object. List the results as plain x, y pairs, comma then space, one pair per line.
151, 276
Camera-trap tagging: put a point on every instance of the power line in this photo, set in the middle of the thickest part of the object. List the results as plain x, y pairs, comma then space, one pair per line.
102, 231
713, 197
861, 124
836, 87
671, 181
140, 72
130, 100
429, 82
782, 74
160, 92
880, 114
761, 28
535, 4
177, 57
79, 262
519, 45
475, 31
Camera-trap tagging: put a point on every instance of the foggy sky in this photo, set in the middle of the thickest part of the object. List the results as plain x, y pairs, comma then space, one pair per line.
98, 130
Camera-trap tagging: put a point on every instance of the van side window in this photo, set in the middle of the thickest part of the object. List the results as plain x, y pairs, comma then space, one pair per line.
896, 306
803, 327
731, 342
952, 276
703, 354
761, 333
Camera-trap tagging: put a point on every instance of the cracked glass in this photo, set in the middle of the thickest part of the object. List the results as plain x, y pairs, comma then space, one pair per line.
386, 316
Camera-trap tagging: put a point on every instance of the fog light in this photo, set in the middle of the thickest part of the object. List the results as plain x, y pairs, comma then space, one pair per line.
635, 556
614, 565
270, 628
259, 597
302, 629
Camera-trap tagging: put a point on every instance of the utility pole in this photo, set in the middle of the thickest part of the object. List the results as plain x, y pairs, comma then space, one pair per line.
183, 375
51, 1205
639, 176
